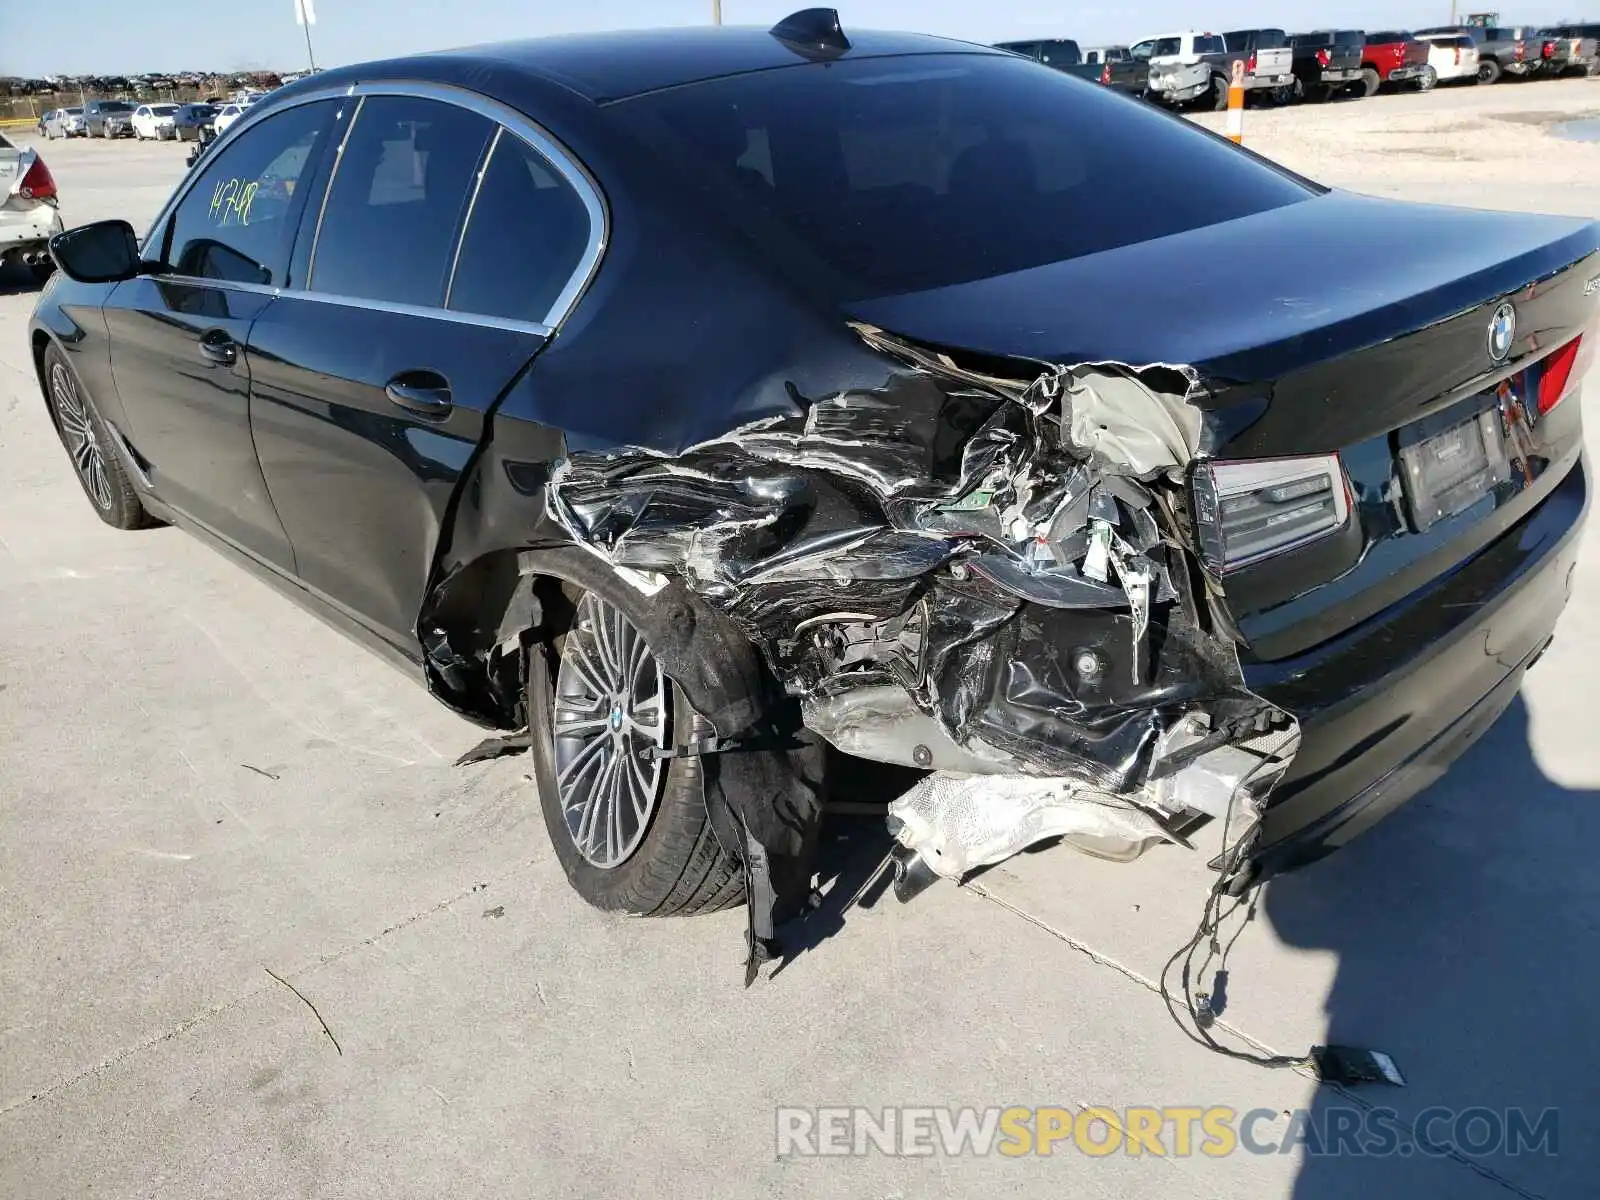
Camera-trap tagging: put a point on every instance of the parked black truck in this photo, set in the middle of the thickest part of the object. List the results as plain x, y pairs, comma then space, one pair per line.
1119, 72
1326, 61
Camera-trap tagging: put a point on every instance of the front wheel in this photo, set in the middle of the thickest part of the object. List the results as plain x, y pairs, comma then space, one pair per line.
631, 830
88, 442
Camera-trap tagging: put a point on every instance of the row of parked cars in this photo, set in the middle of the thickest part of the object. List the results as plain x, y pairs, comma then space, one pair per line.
157, 122
1191, 68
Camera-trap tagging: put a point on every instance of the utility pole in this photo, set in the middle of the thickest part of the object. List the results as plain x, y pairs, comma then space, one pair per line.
716, 12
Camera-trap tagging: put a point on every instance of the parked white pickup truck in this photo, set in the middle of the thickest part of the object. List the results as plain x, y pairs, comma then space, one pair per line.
28, 214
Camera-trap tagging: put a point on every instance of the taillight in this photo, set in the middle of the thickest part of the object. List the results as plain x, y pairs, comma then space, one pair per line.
1520, 52
1105, 74
1458, 56
1250, 64
1564, 370
1324, 57
1548, 50
1247, 511
37, 184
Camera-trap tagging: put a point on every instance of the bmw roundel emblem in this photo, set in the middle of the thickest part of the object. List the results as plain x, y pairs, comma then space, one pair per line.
1502, 332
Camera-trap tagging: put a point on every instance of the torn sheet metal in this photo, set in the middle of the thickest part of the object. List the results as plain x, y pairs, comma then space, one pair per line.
1001, 550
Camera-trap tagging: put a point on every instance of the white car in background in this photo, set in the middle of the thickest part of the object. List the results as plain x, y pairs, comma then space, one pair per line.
1453, 56
228, 114
28, 214
155, 121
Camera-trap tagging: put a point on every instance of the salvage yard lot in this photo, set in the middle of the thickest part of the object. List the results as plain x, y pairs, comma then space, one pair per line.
202, 783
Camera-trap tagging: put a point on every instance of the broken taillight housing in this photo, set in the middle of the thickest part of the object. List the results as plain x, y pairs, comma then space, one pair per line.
38, 183
1247, 511
1324, 57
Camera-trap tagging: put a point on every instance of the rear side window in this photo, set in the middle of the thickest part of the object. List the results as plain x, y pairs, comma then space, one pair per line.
235, 223
523, 242
1209, 44
903, 174
1166, 46
1059, 53
397, 199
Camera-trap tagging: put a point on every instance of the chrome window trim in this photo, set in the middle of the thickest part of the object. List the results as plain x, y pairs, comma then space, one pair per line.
483, 320
507, 119
472, 205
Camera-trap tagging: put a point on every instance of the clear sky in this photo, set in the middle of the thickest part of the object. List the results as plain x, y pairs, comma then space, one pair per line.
129, 37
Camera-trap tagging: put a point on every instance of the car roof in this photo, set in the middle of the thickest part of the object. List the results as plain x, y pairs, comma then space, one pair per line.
615, 65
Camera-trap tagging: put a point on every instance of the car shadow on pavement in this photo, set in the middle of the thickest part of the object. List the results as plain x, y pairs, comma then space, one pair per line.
17, 281
1467, 928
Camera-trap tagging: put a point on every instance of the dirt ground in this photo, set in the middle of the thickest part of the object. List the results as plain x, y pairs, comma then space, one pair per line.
200, 783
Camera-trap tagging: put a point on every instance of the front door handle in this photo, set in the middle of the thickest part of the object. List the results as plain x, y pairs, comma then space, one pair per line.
217, 346
426, 393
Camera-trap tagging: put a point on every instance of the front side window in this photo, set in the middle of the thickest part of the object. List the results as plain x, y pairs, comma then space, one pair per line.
526, 236
1142, 50
235, 222
397, 199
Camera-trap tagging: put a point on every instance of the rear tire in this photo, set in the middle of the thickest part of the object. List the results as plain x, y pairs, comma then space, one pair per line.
1370, 82
1428, 80
1489, 71
90, 447
675, 866
1219, 94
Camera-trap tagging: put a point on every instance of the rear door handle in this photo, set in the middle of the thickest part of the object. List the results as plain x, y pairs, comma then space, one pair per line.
426, 393
218, 347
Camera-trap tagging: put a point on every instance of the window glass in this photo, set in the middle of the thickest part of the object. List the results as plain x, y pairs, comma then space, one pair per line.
1167, 46
1209, 44
235, 222
1142, 49
901, 174
397, 199
1059, 53
528, 231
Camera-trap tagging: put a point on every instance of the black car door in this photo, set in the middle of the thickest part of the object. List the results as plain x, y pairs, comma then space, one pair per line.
442, 245
178, 337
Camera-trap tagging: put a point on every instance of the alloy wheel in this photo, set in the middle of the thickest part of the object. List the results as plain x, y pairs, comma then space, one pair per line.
610, 713
78, 433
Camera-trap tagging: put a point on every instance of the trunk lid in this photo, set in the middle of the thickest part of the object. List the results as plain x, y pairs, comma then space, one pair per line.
1386, 348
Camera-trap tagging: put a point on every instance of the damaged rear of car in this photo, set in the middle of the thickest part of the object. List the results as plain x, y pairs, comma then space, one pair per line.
1032, 491
797, 398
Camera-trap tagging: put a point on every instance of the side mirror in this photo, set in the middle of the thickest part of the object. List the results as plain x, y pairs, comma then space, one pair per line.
104, 252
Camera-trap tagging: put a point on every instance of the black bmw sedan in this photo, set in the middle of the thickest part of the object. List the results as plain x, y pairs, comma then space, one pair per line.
708, 410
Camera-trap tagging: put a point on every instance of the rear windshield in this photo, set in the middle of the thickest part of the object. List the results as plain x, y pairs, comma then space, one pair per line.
903, 174
163, 110
1259, 39
116, 106
74, 112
